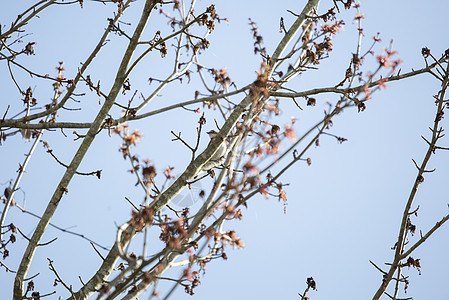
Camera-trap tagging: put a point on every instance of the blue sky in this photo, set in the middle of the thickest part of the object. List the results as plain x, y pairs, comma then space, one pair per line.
343, 210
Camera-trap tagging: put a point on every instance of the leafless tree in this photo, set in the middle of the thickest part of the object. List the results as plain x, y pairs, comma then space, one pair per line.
239, 158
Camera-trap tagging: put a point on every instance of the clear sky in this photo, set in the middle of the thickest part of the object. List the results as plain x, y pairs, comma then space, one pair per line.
342, 211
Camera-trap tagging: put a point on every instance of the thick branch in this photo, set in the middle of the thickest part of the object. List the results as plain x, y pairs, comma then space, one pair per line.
353, 89
288, 37
398, 256
96, 125
20, 124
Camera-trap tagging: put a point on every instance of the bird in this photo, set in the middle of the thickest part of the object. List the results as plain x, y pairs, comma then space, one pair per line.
26, 133
7, 193
219, 156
